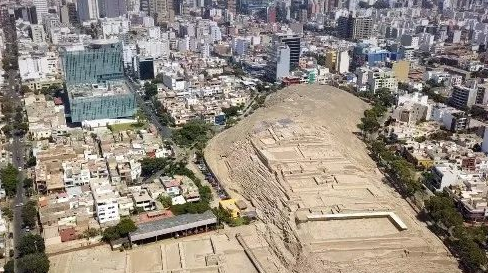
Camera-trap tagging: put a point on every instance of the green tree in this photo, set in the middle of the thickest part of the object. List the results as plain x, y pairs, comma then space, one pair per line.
193, 208
25, 89
29, 214
232, 111
165, 201
7, 212
28, 182
110, 234
90, 232
150, 165
9, 266
31, 243
140, 117
369, 124
150, 90
125, 226
34, 263
195, 132
31, 162
205, 193
8, 176
122, 229
223, 215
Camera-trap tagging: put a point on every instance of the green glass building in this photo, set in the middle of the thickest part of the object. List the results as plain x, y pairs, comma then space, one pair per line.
108, 100
98, 62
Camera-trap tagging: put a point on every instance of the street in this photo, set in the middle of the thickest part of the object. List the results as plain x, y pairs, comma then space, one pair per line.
17, 149
163, 130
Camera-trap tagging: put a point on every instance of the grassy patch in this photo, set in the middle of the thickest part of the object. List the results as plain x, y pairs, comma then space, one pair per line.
115, 128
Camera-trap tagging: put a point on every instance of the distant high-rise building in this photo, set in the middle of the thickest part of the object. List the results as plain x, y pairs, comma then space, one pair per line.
111, 8
162, 10
26, 13
343, 62
144, 5
279, 62
73, 14
41, 8
64, 14
231, 6
463, 97
355, 27
362, 28
271, 18
293, 41
410, 40
98, 62
87, 10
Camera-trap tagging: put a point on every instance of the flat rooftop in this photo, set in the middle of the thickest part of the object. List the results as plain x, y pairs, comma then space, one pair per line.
109, 88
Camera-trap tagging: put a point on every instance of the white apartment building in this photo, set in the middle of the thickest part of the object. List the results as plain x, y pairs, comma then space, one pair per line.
343, 60
114, 26
106, 206
75, 173
38, 34
173, 82
445, 175
382, 78
41, 8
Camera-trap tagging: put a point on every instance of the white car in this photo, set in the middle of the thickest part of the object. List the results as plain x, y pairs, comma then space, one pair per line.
20, 169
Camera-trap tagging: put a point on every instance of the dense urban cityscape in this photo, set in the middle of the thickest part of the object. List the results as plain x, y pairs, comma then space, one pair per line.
243, 136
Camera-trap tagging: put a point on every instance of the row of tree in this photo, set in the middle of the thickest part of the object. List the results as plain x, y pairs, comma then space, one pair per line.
401, 171
9, 177
13, 117
466, 242
32, 259
382, 99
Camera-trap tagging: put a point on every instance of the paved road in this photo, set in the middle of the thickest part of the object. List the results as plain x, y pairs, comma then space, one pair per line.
163, 130
17, 149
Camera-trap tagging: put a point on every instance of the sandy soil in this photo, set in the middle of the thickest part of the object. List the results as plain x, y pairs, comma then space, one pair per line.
301, 153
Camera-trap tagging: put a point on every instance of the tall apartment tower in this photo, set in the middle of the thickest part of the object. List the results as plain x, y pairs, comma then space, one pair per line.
355, 27
26, 13
144, 5
111, 8
362, 28
87, 10
279, 62
41, 8
73, 14
98, 62
162, 10
231, 6
293, 41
